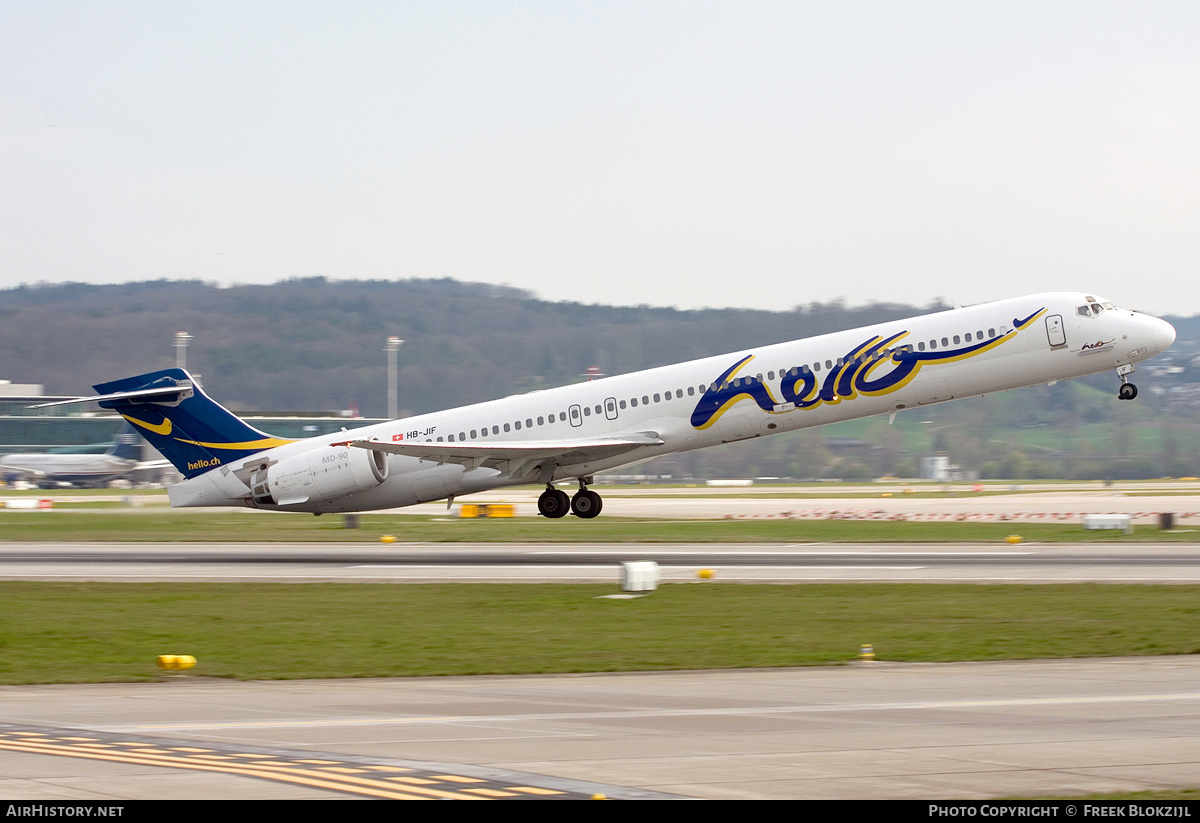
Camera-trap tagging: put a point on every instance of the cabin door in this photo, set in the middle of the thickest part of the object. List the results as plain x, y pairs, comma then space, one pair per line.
1055, 332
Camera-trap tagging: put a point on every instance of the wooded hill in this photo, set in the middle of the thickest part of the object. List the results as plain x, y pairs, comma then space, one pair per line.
318, 344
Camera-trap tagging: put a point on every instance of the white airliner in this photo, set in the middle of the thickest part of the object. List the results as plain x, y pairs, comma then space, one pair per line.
570, 434
49, 470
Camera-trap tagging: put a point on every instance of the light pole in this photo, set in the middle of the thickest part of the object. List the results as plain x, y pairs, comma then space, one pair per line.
393, 346
181, 344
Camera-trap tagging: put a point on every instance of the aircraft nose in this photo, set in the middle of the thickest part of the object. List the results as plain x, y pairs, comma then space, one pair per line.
1164, 334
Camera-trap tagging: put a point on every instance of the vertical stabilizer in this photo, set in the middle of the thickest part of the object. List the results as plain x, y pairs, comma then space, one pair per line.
191, 429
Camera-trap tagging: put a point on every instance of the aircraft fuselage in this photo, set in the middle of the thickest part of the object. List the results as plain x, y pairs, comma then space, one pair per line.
888, 367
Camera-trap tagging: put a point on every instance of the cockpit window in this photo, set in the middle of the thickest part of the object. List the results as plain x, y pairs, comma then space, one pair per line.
1083, 311
1097, 308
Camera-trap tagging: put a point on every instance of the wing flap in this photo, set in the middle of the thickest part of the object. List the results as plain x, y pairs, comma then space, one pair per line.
514, 452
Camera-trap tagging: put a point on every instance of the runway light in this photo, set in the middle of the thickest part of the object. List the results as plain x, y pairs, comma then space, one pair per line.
175, 662
866, 652
388, 538
1014, 538
705, 574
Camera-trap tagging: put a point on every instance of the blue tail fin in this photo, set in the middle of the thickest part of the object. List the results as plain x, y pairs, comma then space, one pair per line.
191, 430
127, 445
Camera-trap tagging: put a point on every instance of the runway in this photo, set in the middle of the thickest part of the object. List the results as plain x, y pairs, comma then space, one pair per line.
883, 731
868, 730
600, 563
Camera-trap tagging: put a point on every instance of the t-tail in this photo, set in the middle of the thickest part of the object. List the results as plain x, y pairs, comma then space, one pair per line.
187, 426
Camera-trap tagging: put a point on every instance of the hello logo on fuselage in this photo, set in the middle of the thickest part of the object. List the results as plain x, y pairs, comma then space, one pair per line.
876, 367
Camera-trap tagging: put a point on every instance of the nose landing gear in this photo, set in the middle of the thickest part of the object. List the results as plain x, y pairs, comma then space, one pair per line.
1128, 391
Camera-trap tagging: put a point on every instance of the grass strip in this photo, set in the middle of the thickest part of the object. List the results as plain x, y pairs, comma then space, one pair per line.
98, 632
190, 525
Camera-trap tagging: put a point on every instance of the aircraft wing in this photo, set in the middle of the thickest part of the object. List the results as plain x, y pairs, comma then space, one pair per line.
515, 456
23, 469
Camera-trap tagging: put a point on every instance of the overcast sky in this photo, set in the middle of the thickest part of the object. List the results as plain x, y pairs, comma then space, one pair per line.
752, 154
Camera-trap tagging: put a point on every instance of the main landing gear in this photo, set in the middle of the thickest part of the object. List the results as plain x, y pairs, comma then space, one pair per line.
555, 502
1128, 391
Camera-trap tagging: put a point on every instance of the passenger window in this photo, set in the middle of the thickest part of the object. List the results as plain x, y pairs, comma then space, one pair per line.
587, 411
921, 345
574, 414
956, 340
968, 337
474, 434
633, 402
541, 420
933, 344
496, 429
517, 424
691, 392
439, 440
507, 428
991, 332
528, 422
655, 398
645, 400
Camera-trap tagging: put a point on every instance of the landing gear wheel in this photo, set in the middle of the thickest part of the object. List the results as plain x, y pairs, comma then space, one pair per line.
1128, 391
586, 504
554, 503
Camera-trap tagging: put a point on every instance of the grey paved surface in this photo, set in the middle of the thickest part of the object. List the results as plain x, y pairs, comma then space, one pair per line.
860, 731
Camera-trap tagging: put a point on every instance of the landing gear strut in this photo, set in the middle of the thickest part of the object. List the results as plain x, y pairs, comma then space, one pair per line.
553, 502
586, 503
1128, 391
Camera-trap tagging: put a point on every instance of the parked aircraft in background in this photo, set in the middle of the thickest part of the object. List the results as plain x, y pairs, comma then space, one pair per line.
570, 434
50, 470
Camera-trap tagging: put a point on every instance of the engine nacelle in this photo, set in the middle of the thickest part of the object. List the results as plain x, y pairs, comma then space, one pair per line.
319, 475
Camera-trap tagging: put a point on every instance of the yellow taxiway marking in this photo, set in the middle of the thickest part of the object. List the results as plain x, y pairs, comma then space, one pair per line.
372, 780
